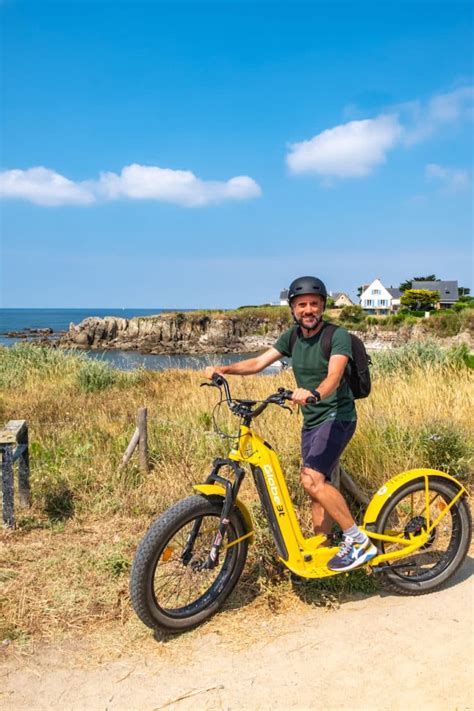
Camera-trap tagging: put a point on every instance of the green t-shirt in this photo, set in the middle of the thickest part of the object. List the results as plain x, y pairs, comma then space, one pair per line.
311, 367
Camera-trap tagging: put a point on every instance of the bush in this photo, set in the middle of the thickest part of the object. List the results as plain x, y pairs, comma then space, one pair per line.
24, 360
352, 314
445, 448
419, 354
96, 375
443, 323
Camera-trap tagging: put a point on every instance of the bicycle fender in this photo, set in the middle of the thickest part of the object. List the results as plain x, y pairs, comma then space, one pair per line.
216, 490
380, 498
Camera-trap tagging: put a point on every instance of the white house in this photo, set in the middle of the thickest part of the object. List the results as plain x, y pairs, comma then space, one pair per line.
377, 299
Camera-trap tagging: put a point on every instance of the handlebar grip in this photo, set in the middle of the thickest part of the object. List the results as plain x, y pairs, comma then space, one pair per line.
311, 401
217, 379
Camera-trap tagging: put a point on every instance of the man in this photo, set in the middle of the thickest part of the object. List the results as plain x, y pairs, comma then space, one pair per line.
329, 424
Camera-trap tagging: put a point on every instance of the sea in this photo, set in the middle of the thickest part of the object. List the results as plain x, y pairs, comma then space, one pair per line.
16, 320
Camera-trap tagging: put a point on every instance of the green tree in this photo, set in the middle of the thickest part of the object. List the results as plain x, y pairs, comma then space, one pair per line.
419, 299
464, 291
405, 285
352, 314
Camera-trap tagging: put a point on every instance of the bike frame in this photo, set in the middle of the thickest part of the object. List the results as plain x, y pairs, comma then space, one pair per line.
304, 556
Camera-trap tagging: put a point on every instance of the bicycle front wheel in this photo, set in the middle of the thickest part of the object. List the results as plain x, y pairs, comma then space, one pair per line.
405, 514
170, 589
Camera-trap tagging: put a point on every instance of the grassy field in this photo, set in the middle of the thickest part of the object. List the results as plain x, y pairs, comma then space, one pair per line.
64, 569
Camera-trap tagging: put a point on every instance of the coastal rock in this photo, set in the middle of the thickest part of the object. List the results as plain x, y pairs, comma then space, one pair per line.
197, 333
176, 333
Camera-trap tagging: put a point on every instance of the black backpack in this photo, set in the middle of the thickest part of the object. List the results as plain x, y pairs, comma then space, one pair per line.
359, 377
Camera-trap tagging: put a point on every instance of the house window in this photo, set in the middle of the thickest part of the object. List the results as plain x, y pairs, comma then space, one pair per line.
383, 302
368, 302
375, 291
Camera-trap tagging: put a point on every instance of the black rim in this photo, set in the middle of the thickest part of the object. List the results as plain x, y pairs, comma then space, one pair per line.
407, 515
180, 589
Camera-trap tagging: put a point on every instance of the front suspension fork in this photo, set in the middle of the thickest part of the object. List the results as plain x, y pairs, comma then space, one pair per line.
231, 491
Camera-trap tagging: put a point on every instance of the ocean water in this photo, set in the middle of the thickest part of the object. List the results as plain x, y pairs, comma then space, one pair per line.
59, 320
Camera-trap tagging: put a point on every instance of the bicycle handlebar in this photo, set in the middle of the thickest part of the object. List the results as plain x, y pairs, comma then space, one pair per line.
243, 407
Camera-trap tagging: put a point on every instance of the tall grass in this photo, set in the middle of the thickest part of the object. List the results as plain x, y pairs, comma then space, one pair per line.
64, 568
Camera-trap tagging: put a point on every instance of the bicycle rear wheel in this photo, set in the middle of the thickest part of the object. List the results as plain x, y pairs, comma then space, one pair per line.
169, 588
405, 514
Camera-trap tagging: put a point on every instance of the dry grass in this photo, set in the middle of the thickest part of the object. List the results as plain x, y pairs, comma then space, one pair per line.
64, 569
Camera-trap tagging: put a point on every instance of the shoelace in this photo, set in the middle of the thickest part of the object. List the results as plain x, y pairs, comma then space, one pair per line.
345, 547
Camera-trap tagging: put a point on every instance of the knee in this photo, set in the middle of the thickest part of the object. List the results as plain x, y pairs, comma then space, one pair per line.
312, 481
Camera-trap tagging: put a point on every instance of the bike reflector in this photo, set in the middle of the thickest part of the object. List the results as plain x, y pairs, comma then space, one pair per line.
167, 553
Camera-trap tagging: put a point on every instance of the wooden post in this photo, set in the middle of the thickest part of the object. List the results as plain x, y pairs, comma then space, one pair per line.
13, 446
7, 486
142, 439
130, 449
24, 469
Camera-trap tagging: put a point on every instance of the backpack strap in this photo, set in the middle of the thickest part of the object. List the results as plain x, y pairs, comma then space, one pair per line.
293, 338
326, 339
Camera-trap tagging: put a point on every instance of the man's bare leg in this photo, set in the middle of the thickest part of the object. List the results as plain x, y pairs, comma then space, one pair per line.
328, 498
322, 521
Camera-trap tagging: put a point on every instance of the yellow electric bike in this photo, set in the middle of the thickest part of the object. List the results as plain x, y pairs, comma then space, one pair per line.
192, 556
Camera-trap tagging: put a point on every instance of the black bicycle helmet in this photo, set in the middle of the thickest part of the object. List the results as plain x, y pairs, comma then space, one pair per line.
306, 285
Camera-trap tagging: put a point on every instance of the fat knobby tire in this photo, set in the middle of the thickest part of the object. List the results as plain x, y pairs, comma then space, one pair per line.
457, 550
151, 549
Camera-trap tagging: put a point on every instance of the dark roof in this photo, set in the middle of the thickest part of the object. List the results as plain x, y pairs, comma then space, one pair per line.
394, 293
447, 290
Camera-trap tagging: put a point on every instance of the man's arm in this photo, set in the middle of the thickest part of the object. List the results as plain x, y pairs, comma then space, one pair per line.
246, 367
336, 368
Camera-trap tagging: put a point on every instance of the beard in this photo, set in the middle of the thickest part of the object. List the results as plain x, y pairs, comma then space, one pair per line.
309, 322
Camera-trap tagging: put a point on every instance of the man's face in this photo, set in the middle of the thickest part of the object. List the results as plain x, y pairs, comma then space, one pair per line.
308, 309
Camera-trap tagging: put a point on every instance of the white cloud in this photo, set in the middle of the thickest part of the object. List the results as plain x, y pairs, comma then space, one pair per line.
424, 119
350, 150
182, 187
43, 186
452, 180
356, 148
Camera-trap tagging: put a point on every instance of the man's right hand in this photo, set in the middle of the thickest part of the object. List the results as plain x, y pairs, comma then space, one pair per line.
210, 370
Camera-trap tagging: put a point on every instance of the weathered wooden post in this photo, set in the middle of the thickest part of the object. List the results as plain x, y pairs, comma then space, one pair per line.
140, 439
24, 468
13, 446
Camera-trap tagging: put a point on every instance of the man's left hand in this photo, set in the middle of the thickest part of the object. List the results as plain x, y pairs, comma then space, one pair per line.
300, 395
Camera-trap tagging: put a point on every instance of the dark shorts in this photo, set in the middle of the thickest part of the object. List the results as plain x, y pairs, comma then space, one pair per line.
322, 446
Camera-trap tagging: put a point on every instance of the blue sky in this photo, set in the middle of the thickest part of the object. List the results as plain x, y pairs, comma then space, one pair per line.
172, 154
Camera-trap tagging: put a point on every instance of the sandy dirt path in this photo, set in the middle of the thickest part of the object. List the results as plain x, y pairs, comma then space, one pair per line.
381, 652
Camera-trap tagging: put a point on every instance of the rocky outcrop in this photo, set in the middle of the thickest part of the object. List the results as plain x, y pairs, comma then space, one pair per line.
217, 333
177, 333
